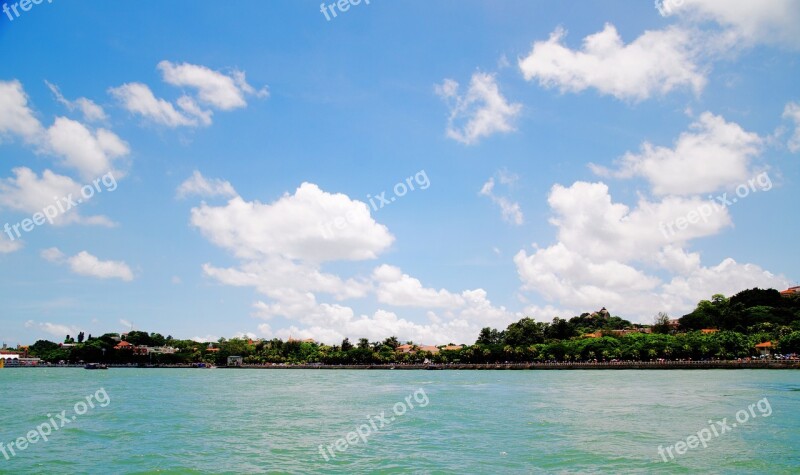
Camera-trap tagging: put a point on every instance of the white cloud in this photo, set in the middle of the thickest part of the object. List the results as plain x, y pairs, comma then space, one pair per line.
199, 185
88, 265
727, 278
587, 219
511, 211
792, 111
712, 156
188, 105
213, 89
7, 246
610, 255
276, 276
402, 290
749, 22
655, 63
206, 339
91, 153
91, 112
28, 193
16, 118
221, 91
57, 330
294, 227
139, 99
282, 245
461, 318
53, 254
332, 323
564, 275
481, 112
245, 335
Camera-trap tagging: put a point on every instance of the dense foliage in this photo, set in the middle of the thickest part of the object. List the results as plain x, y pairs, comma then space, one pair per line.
744, 320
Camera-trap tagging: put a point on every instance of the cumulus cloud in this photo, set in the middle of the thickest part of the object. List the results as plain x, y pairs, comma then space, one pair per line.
91, 112
91, 152
28, 193
610, 255
16, 117
294, 227
331, 323
282, 246
588, 219
88, 265
462, 318
276, 276
199, 185
655, 63
482, 111
713, 155
396, 288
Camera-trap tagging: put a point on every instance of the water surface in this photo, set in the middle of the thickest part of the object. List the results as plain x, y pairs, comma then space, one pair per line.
274, 421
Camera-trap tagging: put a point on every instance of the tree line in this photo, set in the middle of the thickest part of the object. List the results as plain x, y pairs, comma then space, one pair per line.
733, 326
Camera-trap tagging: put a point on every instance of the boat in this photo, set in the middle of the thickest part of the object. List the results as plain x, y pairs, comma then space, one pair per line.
203, 365
95, 366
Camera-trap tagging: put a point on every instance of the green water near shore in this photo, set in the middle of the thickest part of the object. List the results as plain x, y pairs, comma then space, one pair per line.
222, 421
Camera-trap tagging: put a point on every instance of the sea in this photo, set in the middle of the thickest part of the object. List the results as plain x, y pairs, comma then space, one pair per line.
197, 421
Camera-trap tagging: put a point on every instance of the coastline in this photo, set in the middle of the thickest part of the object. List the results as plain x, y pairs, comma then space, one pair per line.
551, 366
626, 365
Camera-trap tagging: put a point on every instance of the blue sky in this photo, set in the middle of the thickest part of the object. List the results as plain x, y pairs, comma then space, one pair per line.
550, 145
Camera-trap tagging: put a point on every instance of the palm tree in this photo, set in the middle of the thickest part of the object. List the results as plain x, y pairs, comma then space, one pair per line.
392, 342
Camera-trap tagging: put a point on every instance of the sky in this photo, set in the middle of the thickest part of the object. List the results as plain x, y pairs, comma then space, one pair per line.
418, 169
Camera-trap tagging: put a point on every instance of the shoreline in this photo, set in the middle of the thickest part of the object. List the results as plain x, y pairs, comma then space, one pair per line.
549, 366
627, 365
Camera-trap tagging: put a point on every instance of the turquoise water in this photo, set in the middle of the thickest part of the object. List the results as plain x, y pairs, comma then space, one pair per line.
273, 421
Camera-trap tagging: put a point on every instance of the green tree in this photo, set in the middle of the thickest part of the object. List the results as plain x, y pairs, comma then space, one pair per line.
524, 333
392, 342
661, 323
560, 329
346, 345
790, 343
489, 336
363, 344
